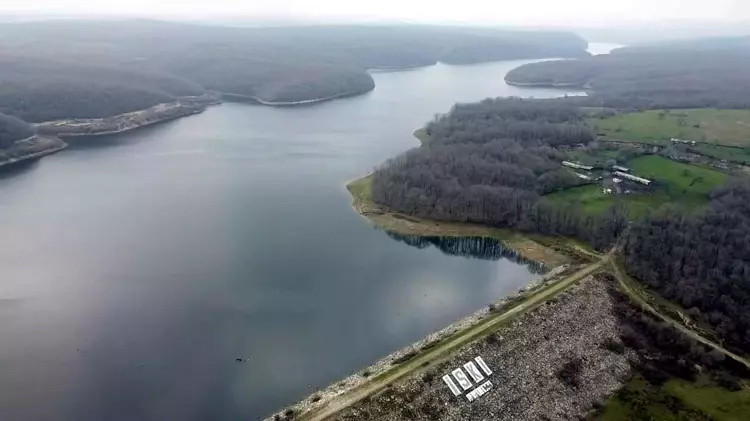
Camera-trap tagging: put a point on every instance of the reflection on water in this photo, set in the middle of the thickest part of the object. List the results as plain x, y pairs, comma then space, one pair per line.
483, 248
16, 168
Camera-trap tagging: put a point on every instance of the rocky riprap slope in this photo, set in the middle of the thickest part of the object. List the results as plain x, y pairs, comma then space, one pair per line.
529, 357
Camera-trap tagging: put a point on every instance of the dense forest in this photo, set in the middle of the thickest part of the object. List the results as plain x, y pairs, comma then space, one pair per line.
67, 68
490, 163
13, 129
42, 89
687, 74
702, 261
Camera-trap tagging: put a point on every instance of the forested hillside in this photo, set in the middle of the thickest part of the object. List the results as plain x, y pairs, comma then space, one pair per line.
507, 45
63, 69
702, 262
13, 129
37, 89
695, 74
489, 163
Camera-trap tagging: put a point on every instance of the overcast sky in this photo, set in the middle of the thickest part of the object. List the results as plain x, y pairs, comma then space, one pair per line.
517, 12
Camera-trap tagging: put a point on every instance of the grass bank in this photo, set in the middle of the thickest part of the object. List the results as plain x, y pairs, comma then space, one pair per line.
677, 399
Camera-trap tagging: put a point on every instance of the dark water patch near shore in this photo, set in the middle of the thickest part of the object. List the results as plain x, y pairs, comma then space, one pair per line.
482, 248
20, 167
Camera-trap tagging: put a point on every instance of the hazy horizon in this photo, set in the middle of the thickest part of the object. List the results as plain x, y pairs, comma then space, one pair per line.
531, 13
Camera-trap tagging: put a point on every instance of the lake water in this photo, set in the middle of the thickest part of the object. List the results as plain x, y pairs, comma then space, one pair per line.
596, 48
136, 268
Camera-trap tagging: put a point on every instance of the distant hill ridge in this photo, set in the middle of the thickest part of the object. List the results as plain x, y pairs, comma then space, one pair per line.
87, 69
708, 72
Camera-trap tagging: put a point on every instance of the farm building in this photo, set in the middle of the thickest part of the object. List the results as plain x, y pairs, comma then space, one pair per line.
631, 177
619, 168
577, 166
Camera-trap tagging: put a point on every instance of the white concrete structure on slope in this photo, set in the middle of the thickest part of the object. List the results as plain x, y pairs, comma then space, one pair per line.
577, 166
478, 370
632, 178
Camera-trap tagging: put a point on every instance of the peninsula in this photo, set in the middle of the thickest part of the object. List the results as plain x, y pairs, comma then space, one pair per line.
30, 148
128, 121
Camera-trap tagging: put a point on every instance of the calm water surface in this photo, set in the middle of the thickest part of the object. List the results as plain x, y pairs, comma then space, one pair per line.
596, 48
136, 268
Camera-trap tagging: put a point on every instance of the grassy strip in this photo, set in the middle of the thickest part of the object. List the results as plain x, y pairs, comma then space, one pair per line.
589, 198
678, 179
361, 189
707, 397
676, 399
720, 127
726, 153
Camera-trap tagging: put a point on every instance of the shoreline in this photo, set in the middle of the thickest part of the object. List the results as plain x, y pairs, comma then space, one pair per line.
54, 145
549, 252
255, 100
387, 69
126, 122
546, 84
